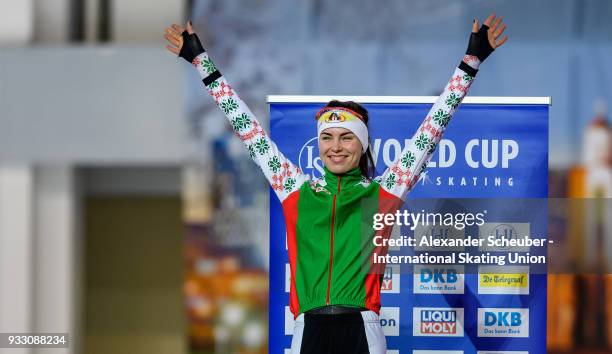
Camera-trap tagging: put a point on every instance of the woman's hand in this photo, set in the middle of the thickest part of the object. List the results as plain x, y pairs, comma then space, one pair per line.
175, 38
493, 31
485, 40
183, 42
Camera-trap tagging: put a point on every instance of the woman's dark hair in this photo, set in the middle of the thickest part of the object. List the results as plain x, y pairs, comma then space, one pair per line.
366, 163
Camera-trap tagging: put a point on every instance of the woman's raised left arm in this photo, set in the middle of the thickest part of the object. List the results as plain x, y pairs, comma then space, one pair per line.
404, 173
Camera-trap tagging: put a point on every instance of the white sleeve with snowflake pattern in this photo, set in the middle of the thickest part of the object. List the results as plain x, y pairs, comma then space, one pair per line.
404, 173
283, 175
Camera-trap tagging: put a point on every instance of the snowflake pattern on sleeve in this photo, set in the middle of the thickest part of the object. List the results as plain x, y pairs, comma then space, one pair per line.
405, 172
284, 177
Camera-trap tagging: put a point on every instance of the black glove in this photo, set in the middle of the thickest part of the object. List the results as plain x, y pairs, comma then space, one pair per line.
479, 44
192, 47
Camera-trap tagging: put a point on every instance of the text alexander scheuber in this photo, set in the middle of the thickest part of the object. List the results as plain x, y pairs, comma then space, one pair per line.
455, 220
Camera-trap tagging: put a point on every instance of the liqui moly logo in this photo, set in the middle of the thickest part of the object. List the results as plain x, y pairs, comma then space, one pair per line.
430, 321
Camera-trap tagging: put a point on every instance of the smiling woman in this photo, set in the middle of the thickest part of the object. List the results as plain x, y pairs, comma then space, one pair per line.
335, 287
340, 150
344, 142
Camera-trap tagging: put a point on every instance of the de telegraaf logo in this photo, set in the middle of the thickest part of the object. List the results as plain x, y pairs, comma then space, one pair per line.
437, 321
430, 279
503, 322
503, 280
486, 154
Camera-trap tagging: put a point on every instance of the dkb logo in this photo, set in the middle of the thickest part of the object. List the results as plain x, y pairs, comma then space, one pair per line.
438, 280
501, 319
438, 275
503, 322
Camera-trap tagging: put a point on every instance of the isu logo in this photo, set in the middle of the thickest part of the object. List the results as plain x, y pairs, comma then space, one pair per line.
309, 160
429, 321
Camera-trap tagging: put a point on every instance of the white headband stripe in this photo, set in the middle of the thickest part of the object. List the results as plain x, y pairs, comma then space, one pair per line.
356, 126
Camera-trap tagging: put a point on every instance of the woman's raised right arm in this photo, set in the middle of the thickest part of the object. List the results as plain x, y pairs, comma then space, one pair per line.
284, 177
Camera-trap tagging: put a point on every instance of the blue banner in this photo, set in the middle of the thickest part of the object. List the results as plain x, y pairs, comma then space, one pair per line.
492, 151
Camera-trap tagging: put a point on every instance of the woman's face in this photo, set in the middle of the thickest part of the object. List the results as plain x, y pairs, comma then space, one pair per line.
339, 149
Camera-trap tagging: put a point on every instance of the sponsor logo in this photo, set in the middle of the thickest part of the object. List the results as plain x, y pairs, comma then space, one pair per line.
309, 160
503, 322
490, 154
287, 277
434, 321
503, 231
392, 351
391, 280
289, 321
390, 320
437, 351
512, 280
501, 352
438, 279
438, 232
334, 118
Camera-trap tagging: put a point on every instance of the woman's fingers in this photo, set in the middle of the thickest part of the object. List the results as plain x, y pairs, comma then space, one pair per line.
173, 40
499, 31
177, 28
489, 19
173, 36
189, 27
173, 31
501, 41
172, 49
496, 23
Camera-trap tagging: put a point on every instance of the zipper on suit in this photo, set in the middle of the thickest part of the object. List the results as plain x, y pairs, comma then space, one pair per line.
331, 243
